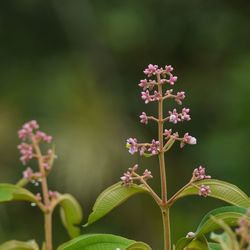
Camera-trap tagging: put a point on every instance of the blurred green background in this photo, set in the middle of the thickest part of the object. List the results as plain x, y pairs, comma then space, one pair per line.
74, 66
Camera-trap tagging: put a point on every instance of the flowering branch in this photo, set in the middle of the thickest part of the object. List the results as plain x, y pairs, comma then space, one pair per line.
30, 148
152, 91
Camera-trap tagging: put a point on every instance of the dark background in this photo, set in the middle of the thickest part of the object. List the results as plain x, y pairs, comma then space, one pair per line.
74, 66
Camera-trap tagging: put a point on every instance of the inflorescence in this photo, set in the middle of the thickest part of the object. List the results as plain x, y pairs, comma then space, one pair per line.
149, 94
152, 91
31, 138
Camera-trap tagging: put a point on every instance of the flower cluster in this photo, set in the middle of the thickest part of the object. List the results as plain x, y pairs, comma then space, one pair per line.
200, 174
204, 190
130, 176
152, 91
151, 148
29, 148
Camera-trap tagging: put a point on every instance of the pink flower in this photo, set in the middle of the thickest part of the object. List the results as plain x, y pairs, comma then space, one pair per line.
174, 116
143, 84
180, 97
156, 96
184, 115
168, 69
147, 174
127, 179
144, 118
167, 133
43, 136
27, 129
154, 147
204, 190
188, 139
132, 145
151, 84
146, 96
28, 173
150, 70
200, 174
26, 151
172, 79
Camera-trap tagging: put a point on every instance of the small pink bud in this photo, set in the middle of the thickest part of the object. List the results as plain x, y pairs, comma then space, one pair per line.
154, 147
144, 118
169, 69
204, 190
146, 96
147, 174
200, 174
172, 79
143, 84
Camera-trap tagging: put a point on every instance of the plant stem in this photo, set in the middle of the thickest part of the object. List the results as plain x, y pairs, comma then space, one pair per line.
164, 208
166, 228
151, 191
45, 191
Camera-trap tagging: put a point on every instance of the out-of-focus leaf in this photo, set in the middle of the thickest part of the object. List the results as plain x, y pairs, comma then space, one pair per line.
214, 246
19, 245
220, 190
229, 214
71, 214
103, 242
228, 239
111, 198
10, 192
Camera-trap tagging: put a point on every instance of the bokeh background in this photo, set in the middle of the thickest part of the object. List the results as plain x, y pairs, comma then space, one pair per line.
74, 66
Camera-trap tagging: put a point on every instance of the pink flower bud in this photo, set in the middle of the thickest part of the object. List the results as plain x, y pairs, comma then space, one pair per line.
144, 118
143, 84
204, 190
150, 70
200, 174
188, 139
169, 69
147, 174
154, 147
146, 96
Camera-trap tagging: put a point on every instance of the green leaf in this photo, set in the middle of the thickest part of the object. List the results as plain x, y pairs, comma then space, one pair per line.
229, 215
9, 192
220, 190
139, 246
197, 243
19, 245
214, 246
111, 198
182, 243
102, 242
71, 214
